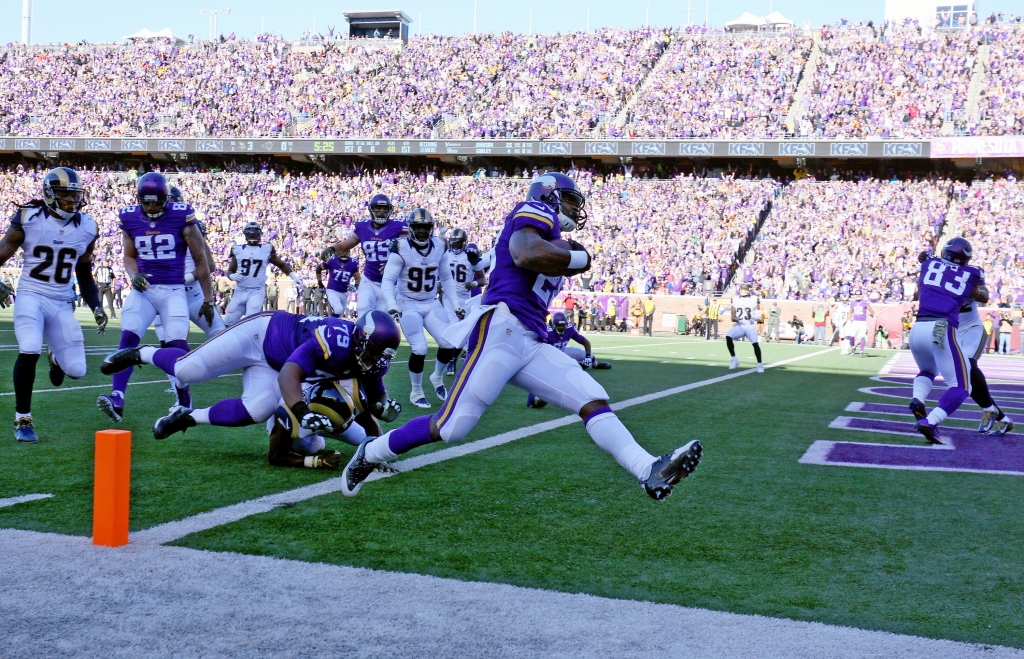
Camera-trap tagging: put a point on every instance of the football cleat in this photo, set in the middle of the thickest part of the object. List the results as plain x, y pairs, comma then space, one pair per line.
121, 360
988, 419
760, 368
171, 390
184, 396
419, 399
929, 431
178, 421
56, 372
917, 408
671, 468
1005, 426
734, 363
324, 460
24, 431
357, 470
112, 405
450, 371
601, 365
437, 379
534, 402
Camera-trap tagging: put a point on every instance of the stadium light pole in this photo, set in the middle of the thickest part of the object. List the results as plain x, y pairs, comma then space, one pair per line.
474, 16
26, 22
588, 18
531, 21
647, 21
689, 6
213, 18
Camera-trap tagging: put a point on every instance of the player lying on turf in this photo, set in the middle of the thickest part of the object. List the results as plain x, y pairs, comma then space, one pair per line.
57, 240
506, 345
276, 351
560, 332
946, 285
291, 445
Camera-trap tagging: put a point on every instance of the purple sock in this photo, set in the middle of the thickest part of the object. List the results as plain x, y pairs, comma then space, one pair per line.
414, 433
231, 413
165, 359
862, 344
951, 400
128, 340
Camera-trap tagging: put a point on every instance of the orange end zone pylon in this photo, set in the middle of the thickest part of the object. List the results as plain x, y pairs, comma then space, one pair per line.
112, 484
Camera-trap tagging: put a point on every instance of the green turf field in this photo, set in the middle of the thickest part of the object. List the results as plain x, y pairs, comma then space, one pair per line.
753, 531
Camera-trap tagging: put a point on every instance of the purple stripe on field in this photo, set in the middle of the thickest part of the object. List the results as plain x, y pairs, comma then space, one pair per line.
994, 387
908, 392
887, 408
947, 433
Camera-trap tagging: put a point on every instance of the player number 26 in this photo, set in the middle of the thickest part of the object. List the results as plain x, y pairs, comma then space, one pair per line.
933, 277
150, 248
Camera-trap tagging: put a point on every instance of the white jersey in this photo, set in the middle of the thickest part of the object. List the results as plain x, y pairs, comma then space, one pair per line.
746, 310
462, 272
969, 316
842, 315
51, 250
414, 274
252, 261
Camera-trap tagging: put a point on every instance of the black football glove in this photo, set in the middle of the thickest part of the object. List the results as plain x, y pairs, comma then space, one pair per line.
923, 256
206, 312
473, 256
140, 282
101, 320
387, 411
327, 254
5, 295
311, 420
396, 314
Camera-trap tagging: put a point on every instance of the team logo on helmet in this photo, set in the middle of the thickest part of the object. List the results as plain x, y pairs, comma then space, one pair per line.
253, 233
63, 193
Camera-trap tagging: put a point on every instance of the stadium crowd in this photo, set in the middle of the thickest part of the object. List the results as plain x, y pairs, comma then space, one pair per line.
991, 216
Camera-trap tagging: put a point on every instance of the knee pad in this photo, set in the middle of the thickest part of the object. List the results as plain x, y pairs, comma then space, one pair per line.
74, 369
188, 371
261, 405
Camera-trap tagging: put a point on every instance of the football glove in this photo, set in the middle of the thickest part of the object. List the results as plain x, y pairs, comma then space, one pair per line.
235, 276
101, 320
323, 460
473, 256
5, 295
923, 256
587, 362
396, 313
470, 285
140, 282
577, 247
327, 254
460, 314
206, 312
387, 411
311, 420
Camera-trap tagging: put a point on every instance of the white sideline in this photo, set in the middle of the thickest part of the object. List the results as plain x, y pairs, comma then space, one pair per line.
105, 386
23, 499
172, 531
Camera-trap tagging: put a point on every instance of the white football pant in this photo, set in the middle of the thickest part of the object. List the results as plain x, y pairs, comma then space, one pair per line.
37, 316
420, 314
163, 301
244, 302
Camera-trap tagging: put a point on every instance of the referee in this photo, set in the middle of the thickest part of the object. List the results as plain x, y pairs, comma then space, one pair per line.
104, 276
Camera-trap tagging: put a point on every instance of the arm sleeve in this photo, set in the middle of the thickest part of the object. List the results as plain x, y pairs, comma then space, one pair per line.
448, 285
388, 284
16, 219
373, 387
87, 285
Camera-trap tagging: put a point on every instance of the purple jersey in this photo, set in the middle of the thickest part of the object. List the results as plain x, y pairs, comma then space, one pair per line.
562, 340
526, 293
322, 347
945, 288
860, 309
159, 244
376, 244
340, 274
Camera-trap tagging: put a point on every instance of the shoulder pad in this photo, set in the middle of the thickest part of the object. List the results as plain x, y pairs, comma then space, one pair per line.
440, 244
536, 205
396, 247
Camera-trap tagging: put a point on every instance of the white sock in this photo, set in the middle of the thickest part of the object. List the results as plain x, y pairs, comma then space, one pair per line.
608, 432
354, 434
991, 408
18, 416
201, 415
379, 450
439, 368
936, 416
922, 387
146, 354
417, 380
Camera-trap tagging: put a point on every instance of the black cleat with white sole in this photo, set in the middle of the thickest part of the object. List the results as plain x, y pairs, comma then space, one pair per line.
56, 372
121, 360
671, 468
357, 470
918, 409
179, 420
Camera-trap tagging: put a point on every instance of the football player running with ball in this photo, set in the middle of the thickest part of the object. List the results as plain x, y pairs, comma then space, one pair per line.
506, 344
946, 285
375, 236
57, 240
248, 269
277, 351
415, 267
745, 312
156, 234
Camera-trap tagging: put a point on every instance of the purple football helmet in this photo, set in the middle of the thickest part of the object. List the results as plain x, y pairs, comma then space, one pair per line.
380, 209
559, 322
560, 194
377, 339
176, 197
152, 193
957, 250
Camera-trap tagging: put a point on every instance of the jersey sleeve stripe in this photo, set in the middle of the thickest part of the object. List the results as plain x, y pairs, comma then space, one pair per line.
322, 342
535, 217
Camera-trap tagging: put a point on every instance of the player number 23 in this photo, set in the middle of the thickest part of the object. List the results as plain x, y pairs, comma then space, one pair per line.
933, 277
150, 248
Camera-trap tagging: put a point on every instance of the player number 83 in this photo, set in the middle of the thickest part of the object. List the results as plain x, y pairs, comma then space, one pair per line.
933, 277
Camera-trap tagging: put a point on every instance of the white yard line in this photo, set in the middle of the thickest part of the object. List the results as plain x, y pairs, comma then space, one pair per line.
172, 531
23, 499
105, 386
